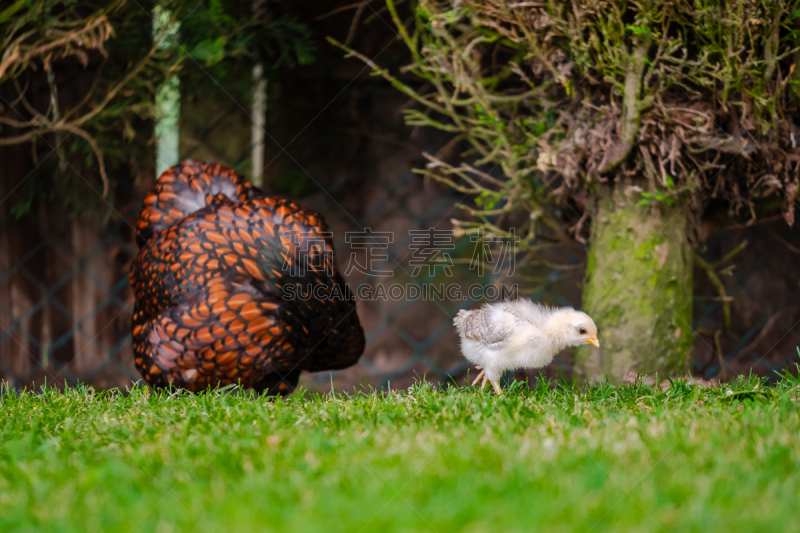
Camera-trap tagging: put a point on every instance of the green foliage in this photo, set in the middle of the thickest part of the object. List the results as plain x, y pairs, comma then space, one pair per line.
219, 30
569, 94
293, 182
109, 122
666, 197
657, 196
598, 459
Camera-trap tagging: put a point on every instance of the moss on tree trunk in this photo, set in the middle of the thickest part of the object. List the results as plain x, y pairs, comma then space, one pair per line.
638, 289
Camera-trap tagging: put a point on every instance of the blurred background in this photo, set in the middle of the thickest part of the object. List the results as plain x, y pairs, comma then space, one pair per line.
87, 123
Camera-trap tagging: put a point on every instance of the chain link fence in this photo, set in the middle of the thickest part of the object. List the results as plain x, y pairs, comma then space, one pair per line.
762, 289
65, 303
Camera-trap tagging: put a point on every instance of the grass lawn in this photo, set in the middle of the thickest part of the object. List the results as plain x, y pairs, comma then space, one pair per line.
601, 459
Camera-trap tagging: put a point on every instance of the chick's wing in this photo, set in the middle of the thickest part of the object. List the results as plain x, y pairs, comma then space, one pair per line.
488, 325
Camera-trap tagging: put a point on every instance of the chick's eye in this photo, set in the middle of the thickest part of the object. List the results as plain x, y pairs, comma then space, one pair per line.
582, 331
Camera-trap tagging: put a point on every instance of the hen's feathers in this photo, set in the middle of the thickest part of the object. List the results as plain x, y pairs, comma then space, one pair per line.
186, 188
209, 280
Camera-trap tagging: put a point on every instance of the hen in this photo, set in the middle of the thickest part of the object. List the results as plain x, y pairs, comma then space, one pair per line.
215, 259
519, 334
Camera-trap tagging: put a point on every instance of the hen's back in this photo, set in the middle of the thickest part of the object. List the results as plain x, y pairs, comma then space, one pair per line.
210, 282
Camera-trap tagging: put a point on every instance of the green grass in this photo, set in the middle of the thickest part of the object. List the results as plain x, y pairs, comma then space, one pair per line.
602, 459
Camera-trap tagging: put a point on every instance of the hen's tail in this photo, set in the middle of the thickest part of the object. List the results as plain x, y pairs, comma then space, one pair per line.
185, 188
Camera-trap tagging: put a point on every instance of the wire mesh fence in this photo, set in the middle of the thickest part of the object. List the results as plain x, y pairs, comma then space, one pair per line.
70, 323
65, 303
762, 291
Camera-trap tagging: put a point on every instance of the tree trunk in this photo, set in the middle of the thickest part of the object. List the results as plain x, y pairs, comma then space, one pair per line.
638, 289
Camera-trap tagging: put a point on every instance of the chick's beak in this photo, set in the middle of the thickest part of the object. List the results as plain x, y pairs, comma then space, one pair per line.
593, 341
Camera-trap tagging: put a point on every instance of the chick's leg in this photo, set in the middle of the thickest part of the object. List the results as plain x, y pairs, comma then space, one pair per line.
479, 377
493, 376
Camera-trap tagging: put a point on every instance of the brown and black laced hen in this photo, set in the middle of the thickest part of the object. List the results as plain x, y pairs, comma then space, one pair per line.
209, 281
